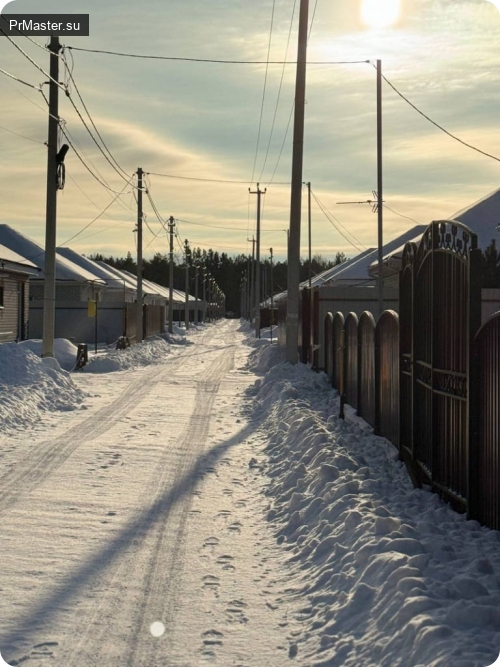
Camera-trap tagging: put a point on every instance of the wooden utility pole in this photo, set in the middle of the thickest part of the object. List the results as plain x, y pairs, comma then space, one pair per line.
196, 313
311, 304
187, 253
259, 194
292, 316
272, 296
379, 191
310, 231
171, 226
204, 278
49, 288
252, 282
139, 314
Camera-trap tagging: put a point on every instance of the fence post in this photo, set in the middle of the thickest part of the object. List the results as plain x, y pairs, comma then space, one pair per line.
473, 388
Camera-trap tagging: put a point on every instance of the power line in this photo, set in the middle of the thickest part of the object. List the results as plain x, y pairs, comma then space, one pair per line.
97, 216
25, 83
400, 214
70, 74
207, 180
279, 91
327, 216
213, 60
233, 229
32, 61
353, 62
440, 127
264, 91
88, 168
21, 135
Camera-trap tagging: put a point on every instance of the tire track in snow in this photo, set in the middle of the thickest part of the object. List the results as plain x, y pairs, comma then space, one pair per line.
51, 454
144, 585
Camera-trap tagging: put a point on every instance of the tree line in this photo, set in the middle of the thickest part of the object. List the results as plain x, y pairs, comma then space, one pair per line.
228, 271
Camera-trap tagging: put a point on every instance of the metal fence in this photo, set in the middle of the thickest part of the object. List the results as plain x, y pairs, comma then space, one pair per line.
387, 376
351, 359
366, 367
484, 503
429, 381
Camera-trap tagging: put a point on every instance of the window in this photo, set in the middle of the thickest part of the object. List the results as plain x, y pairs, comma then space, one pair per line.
1, 296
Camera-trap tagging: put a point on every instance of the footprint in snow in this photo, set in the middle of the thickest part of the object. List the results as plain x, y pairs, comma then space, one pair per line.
212, 638
211, 542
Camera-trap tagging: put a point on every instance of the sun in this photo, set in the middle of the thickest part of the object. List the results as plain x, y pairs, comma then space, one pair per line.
380, 13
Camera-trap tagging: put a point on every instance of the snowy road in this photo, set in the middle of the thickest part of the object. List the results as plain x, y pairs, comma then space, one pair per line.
213, 490
143, 509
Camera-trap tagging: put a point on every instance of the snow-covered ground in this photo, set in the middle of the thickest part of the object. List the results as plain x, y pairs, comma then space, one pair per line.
201, 485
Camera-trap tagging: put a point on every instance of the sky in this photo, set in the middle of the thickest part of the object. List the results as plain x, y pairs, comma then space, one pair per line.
195, 120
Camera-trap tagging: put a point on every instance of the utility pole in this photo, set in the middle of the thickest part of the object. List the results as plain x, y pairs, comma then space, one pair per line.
204, 278
311, 305
139, 315
187, 253
310, 233
272, 296
171, 225
49, 288
196, 314
292, 316
379, 190
259, 194
252, 280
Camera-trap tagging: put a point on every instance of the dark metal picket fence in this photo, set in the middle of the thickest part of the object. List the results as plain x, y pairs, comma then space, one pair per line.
429, 380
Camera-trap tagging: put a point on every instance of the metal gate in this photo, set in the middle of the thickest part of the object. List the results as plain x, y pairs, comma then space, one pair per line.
441, 281
484, 503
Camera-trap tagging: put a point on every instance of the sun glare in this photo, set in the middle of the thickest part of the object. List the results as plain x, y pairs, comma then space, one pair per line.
380, 13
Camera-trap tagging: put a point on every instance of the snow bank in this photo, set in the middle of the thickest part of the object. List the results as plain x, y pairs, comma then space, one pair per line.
388, 575
264, 356
30, 385
151, 351
64, 351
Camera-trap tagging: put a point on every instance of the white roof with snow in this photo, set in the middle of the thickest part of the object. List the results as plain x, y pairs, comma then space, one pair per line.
11, 260
31, 251
99, 271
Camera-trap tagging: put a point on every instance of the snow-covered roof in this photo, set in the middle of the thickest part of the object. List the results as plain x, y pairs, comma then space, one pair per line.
125, 278
154, 288
102, 272
12, 260
482, 218
31, 251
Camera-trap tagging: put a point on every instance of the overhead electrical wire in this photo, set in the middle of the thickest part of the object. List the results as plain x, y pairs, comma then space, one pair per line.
96, 218
337, 227
354, 62
25, 83
400, 214
279, 91
32, 61
118, 192
208, 180
213, 60
72, 79
21, 135
440, 127
263, 92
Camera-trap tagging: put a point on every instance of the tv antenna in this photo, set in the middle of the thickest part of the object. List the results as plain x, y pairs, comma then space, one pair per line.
373, 202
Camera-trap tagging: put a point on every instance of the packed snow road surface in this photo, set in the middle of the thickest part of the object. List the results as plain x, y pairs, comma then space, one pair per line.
208, 507
140, 511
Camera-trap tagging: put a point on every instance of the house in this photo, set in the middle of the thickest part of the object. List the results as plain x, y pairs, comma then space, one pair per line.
15, 273
75, 287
